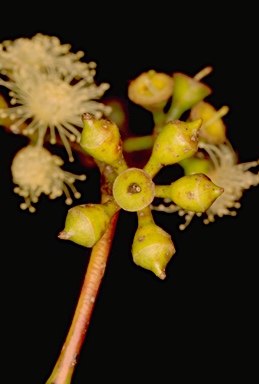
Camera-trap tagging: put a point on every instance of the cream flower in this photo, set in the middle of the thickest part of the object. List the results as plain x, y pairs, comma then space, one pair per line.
36, 171
49, 89
42, 53
51, 101
234, 178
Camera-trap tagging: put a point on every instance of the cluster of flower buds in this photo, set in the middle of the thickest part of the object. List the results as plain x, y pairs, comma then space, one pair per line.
199, 144
133, 189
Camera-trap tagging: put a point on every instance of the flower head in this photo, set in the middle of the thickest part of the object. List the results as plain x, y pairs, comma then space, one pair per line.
51, 93
234, 178
42, 53
36, 171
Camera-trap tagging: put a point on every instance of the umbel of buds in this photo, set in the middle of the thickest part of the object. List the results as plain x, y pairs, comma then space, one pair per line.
85, 224
101, 139
194, 193
152, 247
133, 189
176, 141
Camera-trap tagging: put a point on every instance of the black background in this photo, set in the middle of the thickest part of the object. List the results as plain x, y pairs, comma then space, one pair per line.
201, 321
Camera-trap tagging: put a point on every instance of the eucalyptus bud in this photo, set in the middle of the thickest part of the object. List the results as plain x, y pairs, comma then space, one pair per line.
133, 189
152, 247
194, 193
151, 90
101, 139
188, 91
176, 141
85, 224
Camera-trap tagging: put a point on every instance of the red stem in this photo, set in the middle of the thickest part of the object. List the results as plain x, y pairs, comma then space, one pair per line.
65, 365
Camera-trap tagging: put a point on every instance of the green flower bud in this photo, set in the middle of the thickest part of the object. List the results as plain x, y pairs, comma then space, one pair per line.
195, 164
152, 247
133, 189
176, 141
151, 90
194, 193
85, 224
188, 91
101, 139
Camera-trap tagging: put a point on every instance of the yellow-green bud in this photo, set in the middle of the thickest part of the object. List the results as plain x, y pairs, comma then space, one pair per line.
85, 224
151, 90
101, 139
176, 141
152, 247
213, 129
133, 189
194, 193
188, 91
195, 164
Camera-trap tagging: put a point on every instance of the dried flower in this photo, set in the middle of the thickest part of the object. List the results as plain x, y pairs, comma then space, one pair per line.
52, 96
213, 129
234, 178
35, 170
151, 90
